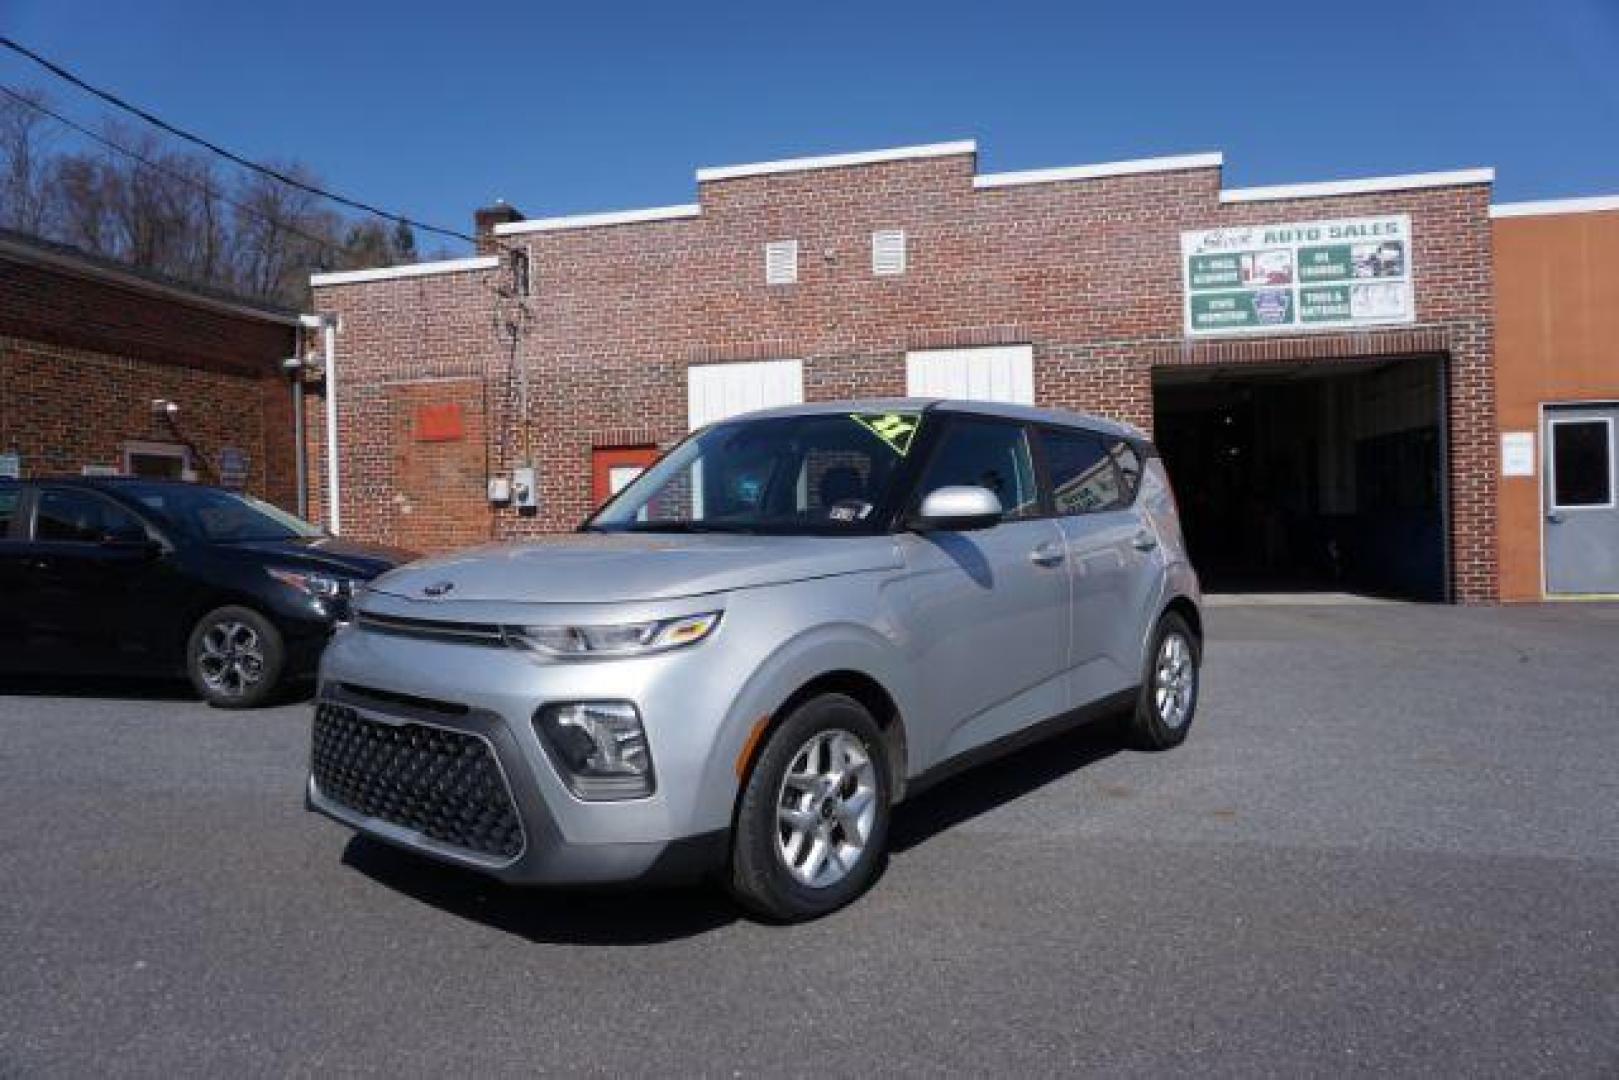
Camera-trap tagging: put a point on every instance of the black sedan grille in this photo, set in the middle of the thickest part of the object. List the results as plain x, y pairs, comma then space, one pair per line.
442, 784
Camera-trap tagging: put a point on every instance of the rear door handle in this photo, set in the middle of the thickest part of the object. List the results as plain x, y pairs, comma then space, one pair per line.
1047, 555
1554, 518
1145, 541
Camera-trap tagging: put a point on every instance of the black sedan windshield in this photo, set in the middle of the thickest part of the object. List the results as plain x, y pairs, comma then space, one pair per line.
218, 516
830, 473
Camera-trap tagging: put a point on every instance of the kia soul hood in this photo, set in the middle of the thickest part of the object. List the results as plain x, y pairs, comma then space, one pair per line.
584, 568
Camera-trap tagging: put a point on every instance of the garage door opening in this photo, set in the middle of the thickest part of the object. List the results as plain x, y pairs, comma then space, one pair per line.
1309, 477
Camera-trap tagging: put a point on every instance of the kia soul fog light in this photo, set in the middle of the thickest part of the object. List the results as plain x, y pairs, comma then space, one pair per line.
599, 747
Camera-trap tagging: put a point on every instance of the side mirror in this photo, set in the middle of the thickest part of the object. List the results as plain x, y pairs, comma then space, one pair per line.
959, 509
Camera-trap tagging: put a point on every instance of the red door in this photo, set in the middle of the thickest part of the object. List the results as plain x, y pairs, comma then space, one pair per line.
613, 468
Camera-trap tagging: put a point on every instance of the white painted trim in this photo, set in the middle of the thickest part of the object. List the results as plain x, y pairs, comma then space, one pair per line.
591, 221
837, 161
389, 273
1408, 182
1093, 172
1588, 205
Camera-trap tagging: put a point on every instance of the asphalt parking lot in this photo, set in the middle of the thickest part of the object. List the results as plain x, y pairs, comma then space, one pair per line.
1391, 844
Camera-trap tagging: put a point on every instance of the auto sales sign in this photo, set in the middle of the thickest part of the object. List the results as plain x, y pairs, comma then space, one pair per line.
1315, 275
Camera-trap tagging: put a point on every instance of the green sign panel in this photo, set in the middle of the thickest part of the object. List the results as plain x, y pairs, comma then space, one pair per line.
1209, 271
1325, 304
1325, 263
1230, 310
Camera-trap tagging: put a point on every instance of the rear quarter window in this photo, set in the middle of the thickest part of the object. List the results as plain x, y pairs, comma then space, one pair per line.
1085, 477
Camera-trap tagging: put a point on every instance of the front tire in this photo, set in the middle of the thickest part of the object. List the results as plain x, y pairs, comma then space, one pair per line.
235, 657
1169, 687
812, 826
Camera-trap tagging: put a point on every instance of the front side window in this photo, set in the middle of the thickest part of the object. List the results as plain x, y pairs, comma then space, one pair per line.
82, 517
833, 473
988, 454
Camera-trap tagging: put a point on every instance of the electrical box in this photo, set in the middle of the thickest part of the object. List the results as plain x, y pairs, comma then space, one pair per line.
524, 495
500, 490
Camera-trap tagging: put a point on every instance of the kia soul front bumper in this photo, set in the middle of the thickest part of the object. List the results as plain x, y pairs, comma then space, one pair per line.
431, 745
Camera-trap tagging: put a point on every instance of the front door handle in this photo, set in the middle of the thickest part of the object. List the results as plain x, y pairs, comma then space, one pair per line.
1047, 555
1554, 518
1145, 541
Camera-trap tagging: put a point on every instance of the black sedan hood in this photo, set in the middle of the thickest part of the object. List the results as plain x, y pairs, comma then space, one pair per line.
331, 553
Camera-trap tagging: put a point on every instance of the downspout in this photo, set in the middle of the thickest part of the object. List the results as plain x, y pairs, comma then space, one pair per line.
334, 515
299, 456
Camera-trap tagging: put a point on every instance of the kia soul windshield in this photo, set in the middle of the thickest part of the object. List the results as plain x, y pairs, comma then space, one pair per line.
834, 473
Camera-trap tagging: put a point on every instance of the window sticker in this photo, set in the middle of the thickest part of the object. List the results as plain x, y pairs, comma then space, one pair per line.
896, 429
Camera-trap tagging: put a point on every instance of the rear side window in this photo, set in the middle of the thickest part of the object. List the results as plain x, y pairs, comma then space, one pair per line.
984, 453
10, 496
79, 516
1086, 473
1083, 476
1128, 460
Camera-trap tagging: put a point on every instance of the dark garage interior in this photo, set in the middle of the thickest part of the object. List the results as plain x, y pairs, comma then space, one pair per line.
1309, 477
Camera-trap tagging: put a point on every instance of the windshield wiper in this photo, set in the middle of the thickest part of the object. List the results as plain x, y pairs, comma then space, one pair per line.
688, 527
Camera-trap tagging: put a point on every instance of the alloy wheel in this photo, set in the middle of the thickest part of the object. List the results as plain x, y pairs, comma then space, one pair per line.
825, 809
232, 658
1174, 680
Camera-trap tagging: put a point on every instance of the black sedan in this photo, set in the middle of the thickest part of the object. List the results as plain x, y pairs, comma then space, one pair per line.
115, 576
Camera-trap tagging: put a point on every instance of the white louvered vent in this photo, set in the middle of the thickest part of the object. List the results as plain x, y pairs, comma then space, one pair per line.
998, 373
888, 251
781, 262
715, 391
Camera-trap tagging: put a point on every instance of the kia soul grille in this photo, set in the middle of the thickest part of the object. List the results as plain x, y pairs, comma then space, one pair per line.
442, 784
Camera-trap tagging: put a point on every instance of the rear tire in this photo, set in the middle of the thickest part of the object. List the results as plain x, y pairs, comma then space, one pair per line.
235, 657
1170, 682
812, 825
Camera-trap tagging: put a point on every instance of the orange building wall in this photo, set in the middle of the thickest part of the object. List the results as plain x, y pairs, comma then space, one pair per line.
1556, 340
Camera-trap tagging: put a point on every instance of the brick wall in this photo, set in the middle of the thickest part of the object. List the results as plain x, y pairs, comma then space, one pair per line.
81, 362
1086, 271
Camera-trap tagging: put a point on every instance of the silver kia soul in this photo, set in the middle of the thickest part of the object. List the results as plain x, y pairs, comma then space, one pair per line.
742, 663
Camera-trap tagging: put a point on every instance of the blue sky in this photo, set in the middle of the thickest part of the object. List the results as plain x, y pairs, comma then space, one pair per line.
434, 108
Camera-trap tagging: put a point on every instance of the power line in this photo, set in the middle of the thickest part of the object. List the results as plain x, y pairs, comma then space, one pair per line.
323, 244
246, 163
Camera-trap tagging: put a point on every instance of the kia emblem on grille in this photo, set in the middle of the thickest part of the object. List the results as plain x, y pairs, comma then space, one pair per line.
438, 589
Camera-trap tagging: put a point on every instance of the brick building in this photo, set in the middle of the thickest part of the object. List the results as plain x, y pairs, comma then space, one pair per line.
90, 350
1315, 360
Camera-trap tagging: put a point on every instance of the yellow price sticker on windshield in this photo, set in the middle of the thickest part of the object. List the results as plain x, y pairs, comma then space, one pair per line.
895, 429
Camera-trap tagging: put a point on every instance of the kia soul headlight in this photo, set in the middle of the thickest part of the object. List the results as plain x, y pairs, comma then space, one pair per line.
616, 639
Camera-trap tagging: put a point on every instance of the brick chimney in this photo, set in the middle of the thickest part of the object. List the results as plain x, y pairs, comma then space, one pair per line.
486, 218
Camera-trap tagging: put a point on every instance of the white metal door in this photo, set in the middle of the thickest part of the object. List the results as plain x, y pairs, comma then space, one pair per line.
1582, 507
998, 373
716, 391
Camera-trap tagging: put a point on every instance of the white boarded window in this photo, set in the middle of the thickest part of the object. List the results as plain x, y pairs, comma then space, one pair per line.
999, 373
716, 391
781, 262
888, 251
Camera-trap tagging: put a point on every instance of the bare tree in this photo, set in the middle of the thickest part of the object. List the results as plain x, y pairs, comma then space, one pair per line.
24, 157
133, 195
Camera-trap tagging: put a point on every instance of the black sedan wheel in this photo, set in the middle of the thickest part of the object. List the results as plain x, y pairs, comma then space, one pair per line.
235, 657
